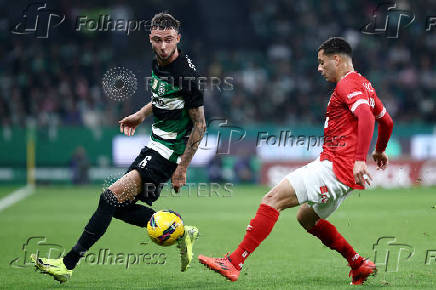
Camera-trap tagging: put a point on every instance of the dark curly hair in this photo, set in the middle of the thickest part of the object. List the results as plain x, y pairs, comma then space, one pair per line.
164, 20
336, 45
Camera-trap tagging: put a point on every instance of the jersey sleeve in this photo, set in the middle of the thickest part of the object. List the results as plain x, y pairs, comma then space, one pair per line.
357, 98
191, 86
192, 94
379, 110
353, 94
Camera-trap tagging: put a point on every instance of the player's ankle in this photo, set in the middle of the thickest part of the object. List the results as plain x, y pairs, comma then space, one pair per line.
355, 261
72, 258
238, 266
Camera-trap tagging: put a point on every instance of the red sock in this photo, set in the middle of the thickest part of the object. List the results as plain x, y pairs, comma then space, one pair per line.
260, 227
330, 237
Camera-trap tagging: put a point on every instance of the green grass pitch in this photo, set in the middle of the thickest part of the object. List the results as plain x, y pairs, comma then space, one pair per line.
288, 259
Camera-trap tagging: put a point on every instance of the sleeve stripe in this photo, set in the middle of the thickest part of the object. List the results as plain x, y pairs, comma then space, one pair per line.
357, 103
382, 113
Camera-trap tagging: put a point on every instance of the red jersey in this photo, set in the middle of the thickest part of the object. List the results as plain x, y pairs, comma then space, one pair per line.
340, 127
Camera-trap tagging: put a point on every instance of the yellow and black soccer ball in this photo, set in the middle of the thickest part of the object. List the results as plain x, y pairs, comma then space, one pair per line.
165, 227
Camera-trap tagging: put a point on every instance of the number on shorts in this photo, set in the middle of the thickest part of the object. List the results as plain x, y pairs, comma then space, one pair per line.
143, 163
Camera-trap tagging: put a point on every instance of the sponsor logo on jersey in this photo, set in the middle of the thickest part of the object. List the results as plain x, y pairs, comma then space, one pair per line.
190, 64
353, 94
368, 87
156, 100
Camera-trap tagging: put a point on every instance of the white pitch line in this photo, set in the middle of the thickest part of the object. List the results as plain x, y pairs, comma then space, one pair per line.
15, 197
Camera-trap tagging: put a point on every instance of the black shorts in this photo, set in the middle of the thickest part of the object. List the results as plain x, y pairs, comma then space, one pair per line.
155, 170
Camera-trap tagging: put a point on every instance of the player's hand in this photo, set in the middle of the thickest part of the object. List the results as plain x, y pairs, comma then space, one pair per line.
381, 159
361, 174
179, 178
128, 124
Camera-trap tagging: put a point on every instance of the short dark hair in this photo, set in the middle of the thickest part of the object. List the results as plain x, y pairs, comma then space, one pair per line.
164, 20
336, 45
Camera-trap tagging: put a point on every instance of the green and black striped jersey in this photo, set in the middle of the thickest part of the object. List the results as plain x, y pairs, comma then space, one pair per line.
174, 90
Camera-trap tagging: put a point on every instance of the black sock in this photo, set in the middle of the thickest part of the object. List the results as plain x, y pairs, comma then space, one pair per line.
134, 214
95, 228
72, 258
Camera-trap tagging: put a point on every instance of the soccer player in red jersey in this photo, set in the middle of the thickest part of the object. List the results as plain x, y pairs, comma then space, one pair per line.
321, 186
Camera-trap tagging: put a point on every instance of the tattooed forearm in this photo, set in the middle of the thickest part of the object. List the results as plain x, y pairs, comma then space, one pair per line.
198, 130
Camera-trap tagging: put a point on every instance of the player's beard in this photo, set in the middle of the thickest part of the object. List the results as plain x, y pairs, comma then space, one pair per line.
164, 60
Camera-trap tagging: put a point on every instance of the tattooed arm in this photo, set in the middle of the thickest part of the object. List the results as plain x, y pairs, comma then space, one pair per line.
198, 129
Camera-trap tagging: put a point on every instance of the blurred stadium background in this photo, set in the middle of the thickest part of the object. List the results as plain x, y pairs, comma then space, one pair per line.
52, 105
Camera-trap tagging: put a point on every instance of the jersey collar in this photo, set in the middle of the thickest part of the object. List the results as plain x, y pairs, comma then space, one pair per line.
351, 71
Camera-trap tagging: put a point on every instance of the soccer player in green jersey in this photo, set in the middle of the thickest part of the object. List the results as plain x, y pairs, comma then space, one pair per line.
178, 127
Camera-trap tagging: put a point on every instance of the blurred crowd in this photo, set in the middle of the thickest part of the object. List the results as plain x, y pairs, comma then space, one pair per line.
58, 84
281, 84
272, 65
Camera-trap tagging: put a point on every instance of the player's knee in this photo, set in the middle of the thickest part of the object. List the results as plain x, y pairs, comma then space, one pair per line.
127, 187
303, 221
280, 198
307, 217
268, 198
273, 199
300, 218
301, 215
110, 198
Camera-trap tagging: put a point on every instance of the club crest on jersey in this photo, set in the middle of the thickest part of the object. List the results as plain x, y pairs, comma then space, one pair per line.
324, 194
